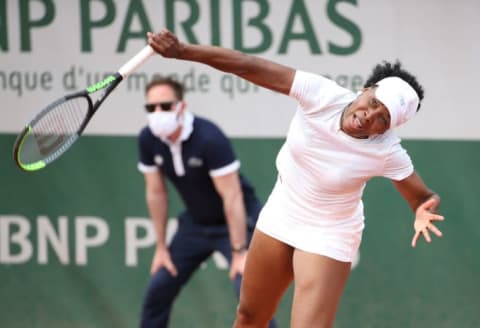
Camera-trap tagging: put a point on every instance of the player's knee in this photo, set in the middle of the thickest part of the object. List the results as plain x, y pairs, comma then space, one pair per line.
250, 317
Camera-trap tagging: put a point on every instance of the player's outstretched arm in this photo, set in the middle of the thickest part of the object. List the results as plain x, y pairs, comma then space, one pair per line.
262, 72
424, 203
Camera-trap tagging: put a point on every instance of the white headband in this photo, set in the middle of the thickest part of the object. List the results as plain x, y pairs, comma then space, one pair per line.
399, 97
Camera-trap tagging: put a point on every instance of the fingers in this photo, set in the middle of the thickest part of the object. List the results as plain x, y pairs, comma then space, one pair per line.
164, 36
165, 43
162, 31
153, 269
426, 235
167, 33
415, 238
437, 218
232, 273
428, 204
162, 259
153, 44
435, 230
238, 265
157, 41
171, 268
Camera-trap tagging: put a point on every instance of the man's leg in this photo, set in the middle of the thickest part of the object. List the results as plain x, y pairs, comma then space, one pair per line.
187, 250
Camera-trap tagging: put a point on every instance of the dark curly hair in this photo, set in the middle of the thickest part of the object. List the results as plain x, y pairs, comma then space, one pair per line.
386, 69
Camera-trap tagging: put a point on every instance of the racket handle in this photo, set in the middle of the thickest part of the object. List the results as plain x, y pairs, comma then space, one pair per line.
136, 61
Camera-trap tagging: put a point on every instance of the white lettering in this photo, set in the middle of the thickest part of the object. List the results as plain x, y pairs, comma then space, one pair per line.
133, 242
47, 235
19, 236
83, 241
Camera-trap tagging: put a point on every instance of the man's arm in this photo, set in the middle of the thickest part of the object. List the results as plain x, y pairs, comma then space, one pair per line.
156, 198
228, 186
157, 203
423, 202
262, 72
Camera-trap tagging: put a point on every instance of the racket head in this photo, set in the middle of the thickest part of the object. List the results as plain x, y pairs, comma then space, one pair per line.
52, 131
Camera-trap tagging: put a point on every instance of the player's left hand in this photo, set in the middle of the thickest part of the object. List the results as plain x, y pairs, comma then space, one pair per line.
423, 221
238, 264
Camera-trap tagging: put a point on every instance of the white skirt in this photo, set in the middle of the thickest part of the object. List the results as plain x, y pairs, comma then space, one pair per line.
337, 241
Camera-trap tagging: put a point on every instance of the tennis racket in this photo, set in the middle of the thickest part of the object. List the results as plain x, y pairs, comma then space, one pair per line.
56, 128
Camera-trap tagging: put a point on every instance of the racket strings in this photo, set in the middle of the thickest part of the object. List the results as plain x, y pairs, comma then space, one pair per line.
65, 119
56, 129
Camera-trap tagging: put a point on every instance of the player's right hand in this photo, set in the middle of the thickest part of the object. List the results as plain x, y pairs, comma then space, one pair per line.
165, 43
162, 259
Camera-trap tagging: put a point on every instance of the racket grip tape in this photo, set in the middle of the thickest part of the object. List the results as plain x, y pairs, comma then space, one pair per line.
136, 61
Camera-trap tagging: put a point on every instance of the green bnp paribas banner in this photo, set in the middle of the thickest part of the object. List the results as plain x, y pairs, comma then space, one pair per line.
76, 244
76, 240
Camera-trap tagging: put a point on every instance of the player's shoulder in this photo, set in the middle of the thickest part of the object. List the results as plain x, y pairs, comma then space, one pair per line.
388, 140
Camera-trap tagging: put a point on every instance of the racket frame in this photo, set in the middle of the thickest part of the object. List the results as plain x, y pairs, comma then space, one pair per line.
108, 84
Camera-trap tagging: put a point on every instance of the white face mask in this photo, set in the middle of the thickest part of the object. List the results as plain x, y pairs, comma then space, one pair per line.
163, 124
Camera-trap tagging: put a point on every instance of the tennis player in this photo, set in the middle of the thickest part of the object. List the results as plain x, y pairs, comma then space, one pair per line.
311, 226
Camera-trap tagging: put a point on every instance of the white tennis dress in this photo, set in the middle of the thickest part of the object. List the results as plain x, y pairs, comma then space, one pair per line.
316, 203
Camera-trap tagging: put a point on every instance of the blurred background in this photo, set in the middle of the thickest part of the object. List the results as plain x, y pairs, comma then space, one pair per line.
75, 239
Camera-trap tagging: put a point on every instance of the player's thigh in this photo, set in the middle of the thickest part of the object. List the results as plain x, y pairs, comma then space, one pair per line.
319, 283
268, 272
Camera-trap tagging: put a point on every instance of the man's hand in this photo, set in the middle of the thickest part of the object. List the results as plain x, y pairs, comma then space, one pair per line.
238, 264
423, 221
162, 259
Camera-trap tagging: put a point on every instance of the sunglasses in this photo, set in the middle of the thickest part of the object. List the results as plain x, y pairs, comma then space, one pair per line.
164, 106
